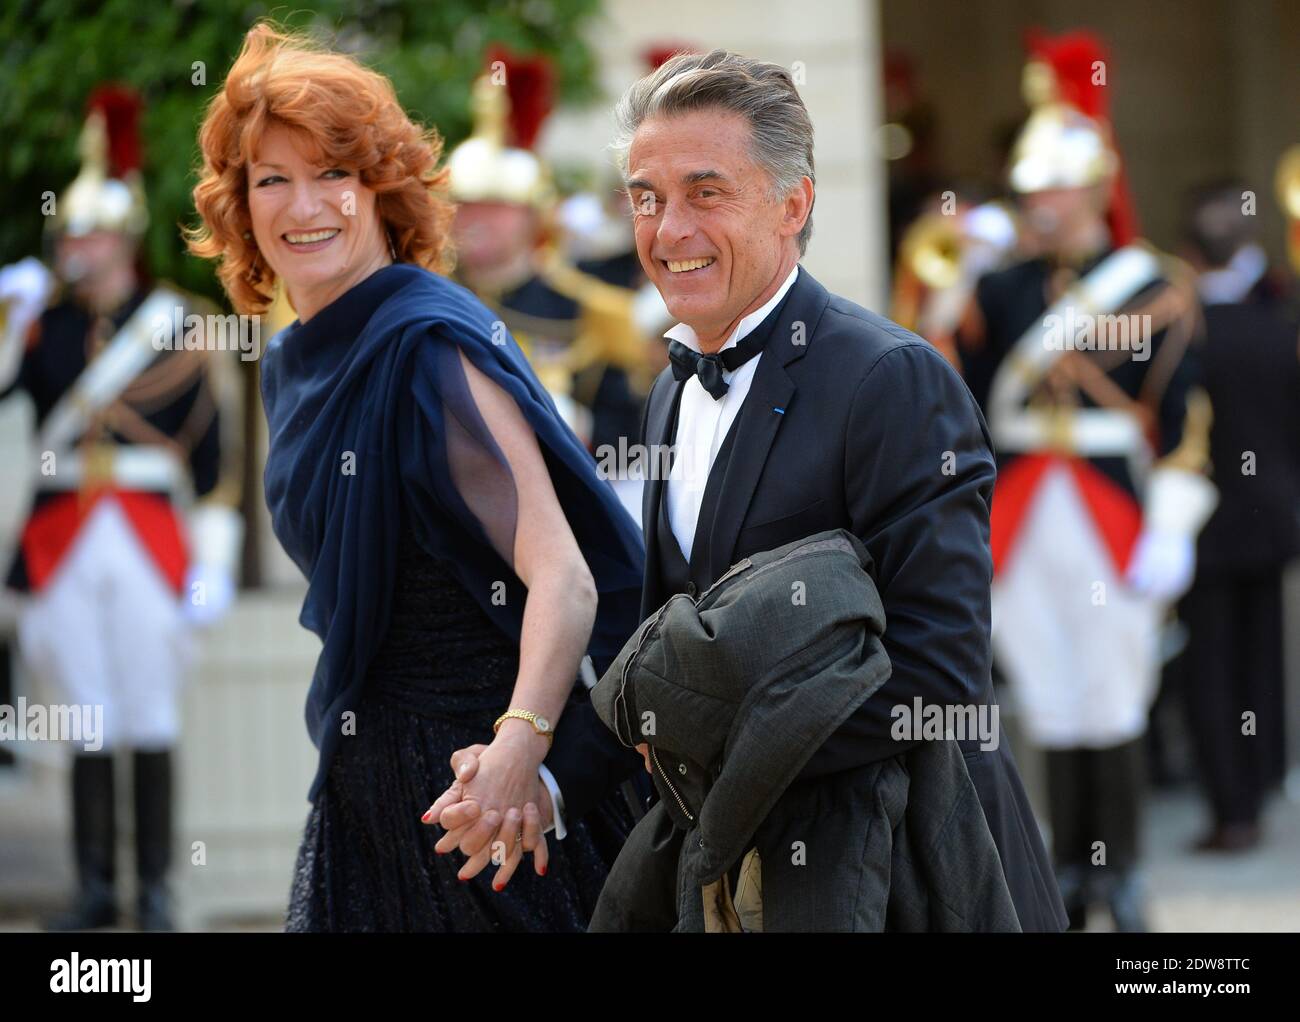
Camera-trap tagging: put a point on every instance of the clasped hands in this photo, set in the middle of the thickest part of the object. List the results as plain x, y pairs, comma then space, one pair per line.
497, 808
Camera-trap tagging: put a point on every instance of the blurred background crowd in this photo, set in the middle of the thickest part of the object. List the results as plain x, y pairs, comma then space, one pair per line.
1172, 122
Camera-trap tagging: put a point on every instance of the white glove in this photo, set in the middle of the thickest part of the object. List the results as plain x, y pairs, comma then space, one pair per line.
1178, 503
1163, 564
209, 592
216, 533
25, 286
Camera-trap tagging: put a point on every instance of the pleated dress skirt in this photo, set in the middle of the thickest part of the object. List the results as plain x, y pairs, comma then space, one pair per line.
443, 675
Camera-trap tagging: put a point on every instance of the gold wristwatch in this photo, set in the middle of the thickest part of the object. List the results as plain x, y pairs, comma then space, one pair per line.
540, 724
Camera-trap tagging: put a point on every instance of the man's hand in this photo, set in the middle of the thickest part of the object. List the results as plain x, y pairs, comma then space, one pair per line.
487, 834
644, 749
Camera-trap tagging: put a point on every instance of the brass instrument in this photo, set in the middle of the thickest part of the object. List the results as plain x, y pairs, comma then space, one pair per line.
932, 249
940, 258
1288, 194
607, 333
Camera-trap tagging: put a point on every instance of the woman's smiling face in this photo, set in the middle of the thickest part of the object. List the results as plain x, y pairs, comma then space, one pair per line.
315, 225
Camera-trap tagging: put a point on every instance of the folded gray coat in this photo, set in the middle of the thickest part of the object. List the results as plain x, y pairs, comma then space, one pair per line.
734, 691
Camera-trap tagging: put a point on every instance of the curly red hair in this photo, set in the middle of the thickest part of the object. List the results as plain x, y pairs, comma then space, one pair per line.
347, 115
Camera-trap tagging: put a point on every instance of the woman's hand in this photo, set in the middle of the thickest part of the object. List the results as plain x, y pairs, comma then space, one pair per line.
494, 804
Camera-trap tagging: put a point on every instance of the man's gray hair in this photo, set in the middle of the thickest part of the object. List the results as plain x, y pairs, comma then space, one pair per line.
762, 92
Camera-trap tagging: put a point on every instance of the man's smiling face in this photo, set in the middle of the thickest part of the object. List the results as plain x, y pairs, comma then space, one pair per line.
710, 234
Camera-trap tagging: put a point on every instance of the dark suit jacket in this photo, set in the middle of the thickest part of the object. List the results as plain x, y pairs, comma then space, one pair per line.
853, 422
1252, 374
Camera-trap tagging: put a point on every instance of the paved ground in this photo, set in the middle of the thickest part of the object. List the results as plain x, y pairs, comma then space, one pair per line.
1189, 892
1258, 890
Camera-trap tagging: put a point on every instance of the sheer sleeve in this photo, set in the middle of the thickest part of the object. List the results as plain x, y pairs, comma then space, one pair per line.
461, 495
464, 499
479, 488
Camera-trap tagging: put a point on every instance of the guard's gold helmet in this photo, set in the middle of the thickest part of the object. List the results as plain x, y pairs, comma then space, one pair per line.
495, 164
107, 194
1059, 146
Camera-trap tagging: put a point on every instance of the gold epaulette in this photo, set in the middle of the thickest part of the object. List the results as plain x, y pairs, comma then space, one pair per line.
607, 332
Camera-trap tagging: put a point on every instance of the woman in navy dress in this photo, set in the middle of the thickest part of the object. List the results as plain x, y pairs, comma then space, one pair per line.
461, 552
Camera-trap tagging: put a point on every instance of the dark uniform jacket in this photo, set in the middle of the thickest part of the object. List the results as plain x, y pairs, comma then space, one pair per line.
1011, 301
171, 403
1252, 374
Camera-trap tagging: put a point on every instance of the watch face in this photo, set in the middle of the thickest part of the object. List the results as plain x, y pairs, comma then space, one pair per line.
543, 723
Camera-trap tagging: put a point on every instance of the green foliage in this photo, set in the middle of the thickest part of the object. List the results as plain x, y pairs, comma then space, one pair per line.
53, 54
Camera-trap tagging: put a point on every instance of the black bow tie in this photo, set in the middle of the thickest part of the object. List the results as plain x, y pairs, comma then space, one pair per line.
688, 362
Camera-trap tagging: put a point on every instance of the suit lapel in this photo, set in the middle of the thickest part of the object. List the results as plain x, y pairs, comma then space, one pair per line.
756, 427
770, 396
658, 431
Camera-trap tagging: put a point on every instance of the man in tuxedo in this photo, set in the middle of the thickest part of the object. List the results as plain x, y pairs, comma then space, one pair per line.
791, 411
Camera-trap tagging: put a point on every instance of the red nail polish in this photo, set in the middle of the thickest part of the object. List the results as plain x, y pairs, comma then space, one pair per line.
428, 815
543, 871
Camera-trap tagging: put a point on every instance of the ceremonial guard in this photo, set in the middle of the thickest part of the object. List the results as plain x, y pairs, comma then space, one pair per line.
1083, 359
133, 535
577, 329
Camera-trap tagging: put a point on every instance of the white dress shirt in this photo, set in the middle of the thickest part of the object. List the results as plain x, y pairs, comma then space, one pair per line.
557, 803
702, 425
703, 422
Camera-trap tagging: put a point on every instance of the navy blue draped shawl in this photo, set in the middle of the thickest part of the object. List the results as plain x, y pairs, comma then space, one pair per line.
372, 425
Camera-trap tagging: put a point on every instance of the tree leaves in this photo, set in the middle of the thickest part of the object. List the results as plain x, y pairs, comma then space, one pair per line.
54, 52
